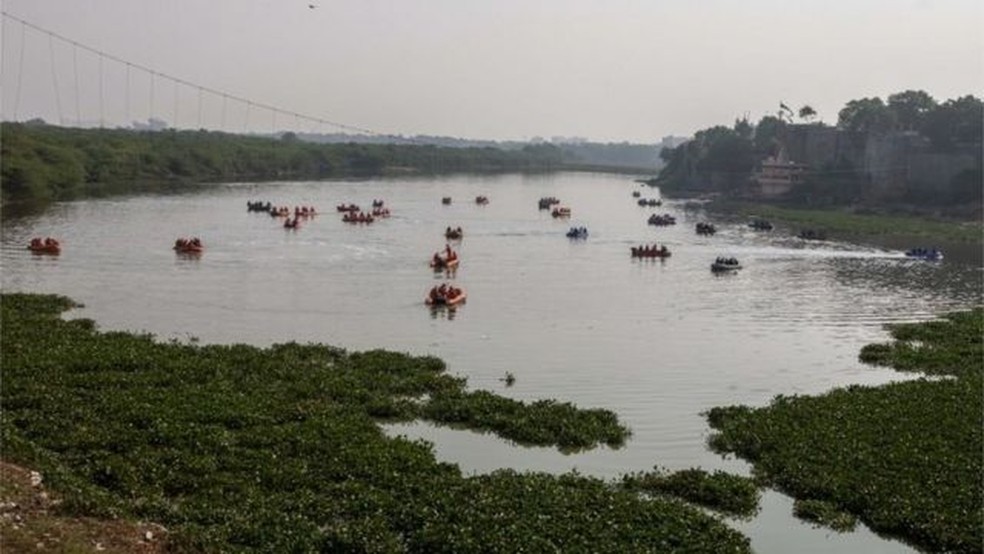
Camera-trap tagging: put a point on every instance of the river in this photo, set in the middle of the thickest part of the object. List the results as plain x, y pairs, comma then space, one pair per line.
658, 342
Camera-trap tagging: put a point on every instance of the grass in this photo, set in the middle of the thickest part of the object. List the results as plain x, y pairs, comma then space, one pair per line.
905, 457
243, 449
846, 223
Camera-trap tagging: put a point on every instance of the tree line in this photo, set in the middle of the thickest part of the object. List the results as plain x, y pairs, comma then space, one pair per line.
40, 162
723, 159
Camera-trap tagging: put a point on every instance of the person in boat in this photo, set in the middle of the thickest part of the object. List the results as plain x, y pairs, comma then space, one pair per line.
437, 261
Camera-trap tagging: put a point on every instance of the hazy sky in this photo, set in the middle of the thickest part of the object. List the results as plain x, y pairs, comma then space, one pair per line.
608, 70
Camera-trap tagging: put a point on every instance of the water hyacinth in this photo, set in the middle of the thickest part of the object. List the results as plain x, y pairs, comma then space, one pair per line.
720, 491
237, 448
825, 514
905, 457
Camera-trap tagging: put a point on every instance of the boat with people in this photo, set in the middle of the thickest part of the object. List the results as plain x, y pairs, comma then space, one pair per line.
191, 245
292, 223
258, 206
561, 212
636, 194
357, 217
662, 220
650, 202
725, 264
760, 225
377, 203
279, 211
547, 201
304, 211
927, 254
706, 229
577, 233
380, 212
481, 200
453, 234
650, 251
445, 295
446, 260
46, 245
348, 208
446, 200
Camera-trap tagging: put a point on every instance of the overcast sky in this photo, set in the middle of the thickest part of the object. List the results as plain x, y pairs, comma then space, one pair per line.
606, 70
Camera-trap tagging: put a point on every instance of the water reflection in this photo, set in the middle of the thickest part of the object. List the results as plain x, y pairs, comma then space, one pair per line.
443, 312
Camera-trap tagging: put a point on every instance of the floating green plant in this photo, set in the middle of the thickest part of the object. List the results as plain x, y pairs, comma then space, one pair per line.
242, 449
724, 492
825, 514
904, 457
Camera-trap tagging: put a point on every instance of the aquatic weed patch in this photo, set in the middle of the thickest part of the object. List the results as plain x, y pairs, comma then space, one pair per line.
903, 457
544, 422
240, 449
724, 492
825, 514
948, 346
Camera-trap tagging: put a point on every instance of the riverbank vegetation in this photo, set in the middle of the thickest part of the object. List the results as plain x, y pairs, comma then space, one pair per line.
904, 457
44, 162
855, 224
237, 448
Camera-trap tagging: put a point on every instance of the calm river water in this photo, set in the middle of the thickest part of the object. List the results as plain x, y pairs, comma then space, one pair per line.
658, 342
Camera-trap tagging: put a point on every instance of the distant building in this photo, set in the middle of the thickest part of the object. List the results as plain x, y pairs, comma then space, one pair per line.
777, 175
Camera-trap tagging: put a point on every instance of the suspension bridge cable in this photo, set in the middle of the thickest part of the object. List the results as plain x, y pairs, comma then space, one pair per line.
102, 110
54, 78
175, 105
75, 65
20, 72
152, 72
127, 94
150, 109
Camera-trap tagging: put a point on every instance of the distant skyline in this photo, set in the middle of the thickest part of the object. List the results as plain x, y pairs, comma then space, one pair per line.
604, 70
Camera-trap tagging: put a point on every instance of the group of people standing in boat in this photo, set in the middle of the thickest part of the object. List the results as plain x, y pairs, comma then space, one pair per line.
650, 251
193, 244
443, 294
46, 245
448, 258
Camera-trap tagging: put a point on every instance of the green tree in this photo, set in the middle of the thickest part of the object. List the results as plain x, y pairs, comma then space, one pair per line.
956, 121
807, 113
767, 134
869, 115
910, 108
